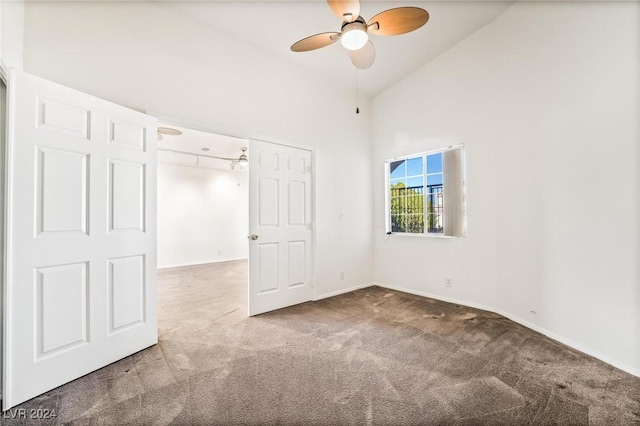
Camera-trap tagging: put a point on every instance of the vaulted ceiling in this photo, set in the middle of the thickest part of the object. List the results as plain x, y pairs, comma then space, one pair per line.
275, 25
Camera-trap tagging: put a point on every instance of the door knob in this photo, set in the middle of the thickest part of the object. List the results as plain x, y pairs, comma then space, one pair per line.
253, 237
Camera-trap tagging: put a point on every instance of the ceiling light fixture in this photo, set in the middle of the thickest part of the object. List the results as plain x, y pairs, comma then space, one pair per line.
354, 36
242, 161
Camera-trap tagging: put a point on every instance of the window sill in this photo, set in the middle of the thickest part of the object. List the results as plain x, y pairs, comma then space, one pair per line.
406, 234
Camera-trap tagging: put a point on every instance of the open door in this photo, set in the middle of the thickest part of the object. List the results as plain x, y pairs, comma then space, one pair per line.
280, 226
80, 289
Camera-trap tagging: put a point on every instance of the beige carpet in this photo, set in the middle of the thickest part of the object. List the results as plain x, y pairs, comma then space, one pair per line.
373, 356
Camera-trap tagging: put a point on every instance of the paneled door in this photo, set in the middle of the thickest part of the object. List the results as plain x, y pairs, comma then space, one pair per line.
81, 260
280, 226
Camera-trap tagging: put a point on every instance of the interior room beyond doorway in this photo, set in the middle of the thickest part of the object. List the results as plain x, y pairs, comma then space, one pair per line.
202, 198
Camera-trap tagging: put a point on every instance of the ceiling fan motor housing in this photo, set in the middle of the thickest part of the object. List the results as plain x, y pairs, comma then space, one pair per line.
359, 19
354, 34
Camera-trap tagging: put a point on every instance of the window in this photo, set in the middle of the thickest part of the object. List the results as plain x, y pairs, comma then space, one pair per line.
425, 193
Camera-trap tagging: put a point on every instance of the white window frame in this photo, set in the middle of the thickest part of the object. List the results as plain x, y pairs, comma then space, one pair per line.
387, 195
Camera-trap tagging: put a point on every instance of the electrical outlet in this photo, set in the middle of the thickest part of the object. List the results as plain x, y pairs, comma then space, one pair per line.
341, 216
448, 282
341, 275
219, 252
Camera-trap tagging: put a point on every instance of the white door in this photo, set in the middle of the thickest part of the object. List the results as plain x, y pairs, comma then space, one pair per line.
281, 227
81, 276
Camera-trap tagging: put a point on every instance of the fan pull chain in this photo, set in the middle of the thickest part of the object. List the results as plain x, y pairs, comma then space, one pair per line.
357, 98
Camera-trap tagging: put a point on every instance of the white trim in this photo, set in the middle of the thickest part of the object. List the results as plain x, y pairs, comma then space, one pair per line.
344, 290
184, 265
425, 153
568, 342
8, 234
554, 336
387, 198
314, 228
437, 297
420, 234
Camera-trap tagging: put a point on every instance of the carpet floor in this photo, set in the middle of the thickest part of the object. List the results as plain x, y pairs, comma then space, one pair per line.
372, 356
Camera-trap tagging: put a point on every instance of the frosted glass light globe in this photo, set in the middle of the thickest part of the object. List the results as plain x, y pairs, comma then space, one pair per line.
354, 36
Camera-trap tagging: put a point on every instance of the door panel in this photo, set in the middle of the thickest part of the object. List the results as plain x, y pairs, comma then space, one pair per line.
61, 298
61, 191
267, 276
268, 205
126, 196
280, 259
295, 262
80, 290
126, 292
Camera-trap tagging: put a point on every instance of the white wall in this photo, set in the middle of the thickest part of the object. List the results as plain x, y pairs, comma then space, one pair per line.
545, 99
202, 215
144, 56
11, 33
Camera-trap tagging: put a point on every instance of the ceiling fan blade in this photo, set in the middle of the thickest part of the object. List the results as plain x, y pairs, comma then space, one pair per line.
363, 58
315, 42
348, 10
398, 21
169, 131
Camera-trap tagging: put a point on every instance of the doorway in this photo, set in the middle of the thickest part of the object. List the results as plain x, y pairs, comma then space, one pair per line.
208, 205
202, 198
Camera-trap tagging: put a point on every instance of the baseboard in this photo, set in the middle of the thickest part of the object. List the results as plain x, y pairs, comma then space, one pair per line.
438, 297
181, 265
558, 338
568, 342
343, 291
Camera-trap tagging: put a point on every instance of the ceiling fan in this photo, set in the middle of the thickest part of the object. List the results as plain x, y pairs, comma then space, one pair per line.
167, 131
354, 33
242, 161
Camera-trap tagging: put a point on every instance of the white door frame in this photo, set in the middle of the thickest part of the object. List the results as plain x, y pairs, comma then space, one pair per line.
4, 80
249, 136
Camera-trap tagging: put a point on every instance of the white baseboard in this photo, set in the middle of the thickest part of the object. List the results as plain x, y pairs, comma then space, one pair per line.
343, 291
561, 339
566, 341
181, 265
437, 297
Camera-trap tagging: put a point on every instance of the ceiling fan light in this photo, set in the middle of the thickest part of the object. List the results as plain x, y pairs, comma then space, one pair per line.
243, 160
354, 36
